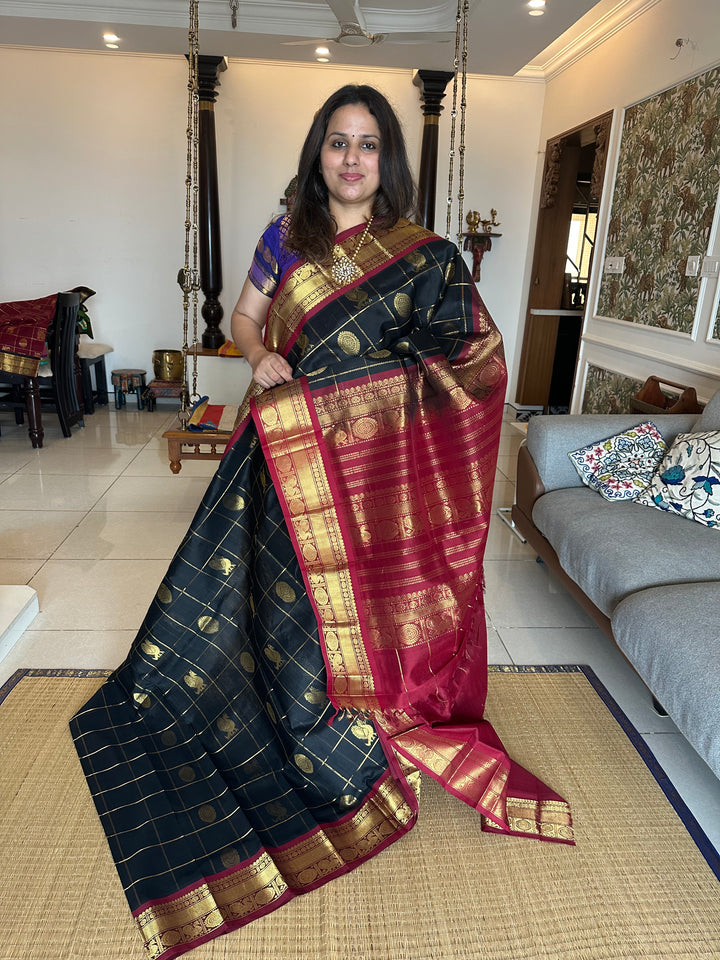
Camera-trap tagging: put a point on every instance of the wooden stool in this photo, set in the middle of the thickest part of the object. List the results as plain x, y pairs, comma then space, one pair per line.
128, 381
161, 388
92, 357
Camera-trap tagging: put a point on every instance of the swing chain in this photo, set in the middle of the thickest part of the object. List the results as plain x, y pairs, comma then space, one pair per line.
461, 52
189, 276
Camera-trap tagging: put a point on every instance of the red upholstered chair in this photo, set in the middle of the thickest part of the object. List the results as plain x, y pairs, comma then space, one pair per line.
24, 327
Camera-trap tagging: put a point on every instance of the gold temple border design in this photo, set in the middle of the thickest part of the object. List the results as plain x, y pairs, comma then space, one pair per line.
547, 819
265, 882
285, 420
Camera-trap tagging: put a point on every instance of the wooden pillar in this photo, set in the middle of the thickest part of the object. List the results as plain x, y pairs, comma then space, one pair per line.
211, 280
432, 85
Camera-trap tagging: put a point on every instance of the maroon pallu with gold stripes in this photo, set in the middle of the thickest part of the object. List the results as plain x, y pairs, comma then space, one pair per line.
384, 462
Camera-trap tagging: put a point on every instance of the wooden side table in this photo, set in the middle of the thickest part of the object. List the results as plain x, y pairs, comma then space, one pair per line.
128, 381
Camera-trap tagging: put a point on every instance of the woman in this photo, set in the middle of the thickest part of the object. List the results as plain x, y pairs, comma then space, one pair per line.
319, 637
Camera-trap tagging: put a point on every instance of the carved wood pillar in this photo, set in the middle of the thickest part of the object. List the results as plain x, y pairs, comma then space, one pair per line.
208, 203
432, 85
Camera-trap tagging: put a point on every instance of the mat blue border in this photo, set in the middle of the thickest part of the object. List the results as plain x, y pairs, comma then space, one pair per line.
23, 672
700, 838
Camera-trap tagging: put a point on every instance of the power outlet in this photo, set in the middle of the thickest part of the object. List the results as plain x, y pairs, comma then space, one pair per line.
693, 266
710, 267
614, 264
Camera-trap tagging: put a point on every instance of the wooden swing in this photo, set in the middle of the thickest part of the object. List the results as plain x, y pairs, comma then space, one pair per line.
190, 437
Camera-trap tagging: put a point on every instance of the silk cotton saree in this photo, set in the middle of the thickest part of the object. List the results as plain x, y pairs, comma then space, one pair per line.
319, 637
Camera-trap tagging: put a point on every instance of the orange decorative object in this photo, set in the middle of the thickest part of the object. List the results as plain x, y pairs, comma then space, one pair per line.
228, 349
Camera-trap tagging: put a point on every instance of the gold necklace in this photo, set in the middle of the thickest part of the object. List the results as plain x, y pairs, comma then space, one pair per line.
344, 268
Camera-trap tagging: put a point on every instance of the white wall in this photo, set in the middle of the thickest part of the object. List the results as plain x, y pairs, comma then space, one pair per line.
93, 168
637, 62
501, 156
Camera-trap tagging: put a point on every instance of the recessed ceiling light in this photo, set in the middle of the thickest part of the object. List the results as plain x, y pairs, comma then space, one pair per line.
536, 13
323, 59
112, 46
110, 38
322, 51
536, 3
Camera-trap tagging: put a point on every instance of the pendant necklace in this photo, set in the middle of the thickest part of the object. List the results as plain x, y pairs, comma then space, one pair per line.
344, 268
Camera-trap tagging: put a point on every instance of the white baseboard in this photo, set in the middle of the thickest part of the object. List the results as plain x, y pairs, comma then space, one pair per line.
18, 608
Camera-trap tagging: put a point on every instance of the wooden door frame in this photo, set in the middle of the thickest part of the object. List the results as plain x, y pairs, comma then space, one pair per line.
562, 156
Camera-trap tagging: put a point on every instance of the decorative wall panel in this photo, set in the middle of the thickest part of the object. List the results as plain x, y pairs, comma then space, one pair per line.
608, 392
663, 204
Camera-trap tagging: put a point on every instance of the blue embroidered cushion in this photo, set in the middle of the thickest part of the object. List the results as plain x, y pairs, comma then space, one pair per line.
688, 479
620, 467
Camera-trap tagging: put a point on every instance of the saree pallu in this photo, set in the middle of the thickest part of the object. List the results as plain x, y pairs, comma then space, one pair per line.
319, 637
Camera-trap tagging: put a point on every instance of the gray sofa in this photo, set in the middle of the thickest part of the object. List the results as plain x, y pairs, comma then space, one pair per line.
650, 579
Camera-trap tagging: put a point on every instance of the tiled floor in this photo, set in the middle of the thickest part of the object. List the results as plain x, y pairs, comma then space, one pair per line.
90, 523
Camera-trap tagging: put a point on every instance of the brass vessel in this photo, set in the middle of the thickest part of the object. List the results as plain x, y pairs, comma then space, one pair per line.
168, 364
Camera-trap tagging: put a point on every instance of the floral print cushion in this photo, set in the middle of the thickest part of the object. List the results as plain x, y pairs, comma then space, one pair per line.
621, 467
687, 481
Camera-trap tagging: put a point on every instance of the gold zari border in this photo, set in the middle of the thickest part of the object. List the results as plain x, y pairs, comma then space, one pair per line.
288, 430
23, 366
260, 885
549, 819
480, 782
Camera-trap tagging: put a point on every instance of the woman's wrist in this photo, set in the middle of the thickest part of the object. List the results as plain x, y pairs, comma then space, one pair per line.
255, 354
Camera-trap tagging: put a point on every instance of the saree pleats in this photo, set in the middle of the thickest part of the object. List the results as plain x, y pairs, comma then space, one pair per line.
319, 636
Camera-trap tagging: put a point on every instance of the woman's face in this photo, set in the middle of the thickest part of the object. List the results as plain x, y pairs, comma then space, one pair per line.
350, 161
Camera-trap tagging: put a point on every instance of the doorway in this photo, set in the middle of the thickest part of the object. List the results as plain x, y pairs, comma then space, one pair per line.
562, 259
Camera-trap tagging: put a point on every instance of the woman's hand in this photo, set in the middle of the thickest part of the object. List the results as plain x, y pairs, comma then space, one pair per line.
269, 369
246, 324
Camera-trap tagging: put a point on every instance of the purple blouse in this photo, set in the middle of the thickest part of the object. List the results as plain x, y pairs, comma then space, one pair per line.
272, 257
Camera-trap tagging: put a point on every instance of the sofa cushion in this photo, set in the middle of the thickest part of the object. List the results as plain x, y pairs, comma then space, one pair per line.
687, 482
671, 635
620, 467
551, 438
614, 549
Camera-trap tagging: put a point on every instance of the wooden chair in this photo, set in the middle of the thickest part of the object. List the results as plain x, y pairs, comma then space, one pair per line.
54, 388
92, 359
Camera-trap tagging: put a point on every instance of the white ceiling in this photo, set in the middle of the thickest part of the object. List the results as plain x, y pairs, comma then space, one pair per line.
502, 37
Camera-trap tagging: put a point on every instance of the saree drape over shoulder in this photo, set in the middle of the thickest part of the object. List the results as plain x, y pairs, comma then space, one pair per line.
319, 638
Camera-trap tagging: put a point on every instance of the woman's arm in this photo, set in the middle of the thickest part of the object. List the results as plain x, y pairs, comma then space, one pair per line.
246, 326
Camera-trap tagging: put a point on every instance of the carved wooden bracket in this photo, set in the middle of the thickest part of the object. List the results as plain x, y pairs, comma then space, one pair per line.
551, 177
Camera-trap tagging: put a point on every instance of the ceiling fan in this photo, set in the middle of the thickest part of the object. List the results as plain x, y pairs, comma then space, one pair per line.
354, 32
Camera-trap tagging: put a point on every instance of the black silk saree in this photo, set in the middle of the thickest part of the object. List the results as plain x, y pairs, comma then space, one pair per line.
319, 637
